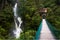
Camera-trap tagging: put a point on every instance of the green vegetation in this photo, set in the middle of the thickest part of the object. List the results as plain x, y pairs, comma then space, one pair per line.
30, 17
29, 11
6, 19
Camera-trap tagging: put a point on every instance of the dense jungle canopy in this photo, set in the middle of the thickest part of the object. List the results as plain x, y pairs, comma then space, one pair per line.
29, 12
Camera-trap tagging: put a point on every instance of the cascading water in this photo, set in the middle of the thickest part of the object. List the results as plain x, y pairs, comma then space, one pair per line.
18, 23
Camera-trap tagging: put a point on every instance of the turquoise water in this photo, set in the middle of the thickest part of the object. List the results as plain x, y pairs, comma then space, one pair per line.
38, 31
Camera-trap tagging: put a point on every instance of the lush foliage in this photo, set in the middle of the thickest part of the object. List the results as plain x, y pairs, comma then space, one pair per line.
29, 12
6, 19
30, 17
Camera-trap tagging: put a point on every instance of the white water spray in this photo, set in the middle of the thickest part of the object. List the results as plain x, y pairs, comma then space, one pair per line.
18, 23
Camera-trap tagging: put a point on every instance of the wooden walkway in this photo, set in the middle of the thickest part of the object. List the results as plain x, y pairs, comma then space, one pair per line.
45, 32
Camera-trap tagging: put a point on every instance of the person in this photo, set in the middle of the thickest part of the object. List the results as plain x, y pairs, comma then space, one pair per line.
43, 15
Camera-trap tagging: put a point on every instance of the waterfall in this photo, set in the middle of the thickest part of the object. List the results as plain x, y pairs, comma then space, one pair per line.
18, 23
